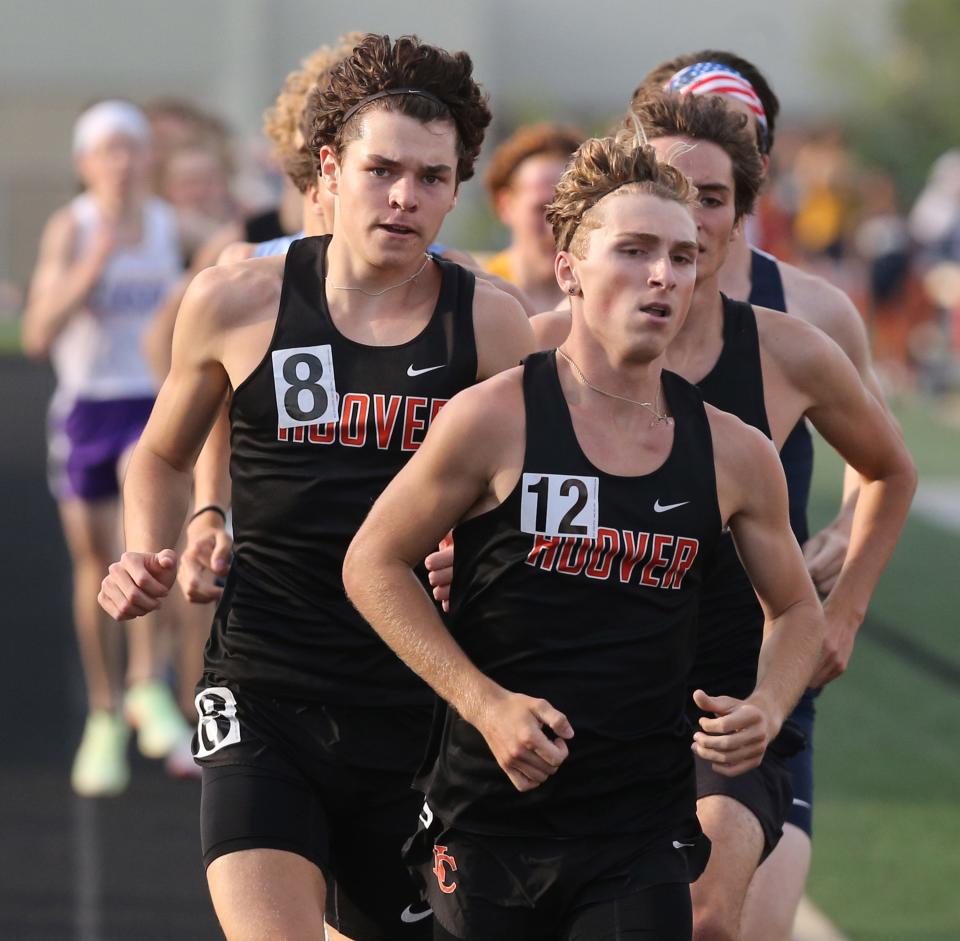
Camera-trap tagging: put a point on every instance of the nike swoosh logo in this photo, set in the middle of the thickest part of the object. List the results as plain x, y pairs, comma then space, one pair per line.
657, 508
799, 803
677, 845
411, 372
409, 917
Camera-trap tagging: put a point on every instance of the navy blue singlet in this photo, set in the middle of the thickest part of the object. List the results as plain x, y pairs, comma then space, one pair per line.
796, 455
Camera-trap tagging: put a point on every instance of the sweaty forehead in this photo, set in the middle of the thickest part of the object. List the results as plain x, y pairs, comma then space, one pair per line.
701, 160
639, 212
402, 138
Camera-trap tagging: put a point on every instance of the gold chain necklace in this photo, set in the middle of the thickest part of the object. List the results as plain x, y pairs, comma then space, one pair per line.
393, 287
652, 407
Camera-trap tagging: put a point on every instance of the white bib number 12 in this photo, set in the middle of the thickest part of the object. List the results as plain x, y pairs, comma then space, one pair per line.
305, 387
559, 505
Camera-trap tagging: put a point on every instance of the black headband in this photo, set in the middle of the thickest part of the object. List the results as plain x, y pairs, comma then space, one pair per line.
388, 93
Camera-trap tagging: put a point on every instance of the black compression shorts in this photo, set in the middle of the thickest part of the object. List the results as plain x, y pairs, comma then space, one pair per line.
495, 888
331, 784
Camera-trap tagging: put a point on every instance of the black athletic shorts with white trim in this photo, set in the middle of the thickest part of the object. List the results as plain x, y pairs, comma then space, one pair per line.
765, 791
329, 783
604, 888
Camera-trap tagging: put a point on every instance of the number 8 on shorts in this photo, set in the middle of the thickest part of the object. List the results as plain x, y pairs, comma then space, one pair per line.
305, 387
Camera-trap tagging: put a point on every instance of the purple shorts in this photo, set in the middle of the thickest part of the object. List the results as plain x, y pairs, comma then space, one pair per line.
87, 443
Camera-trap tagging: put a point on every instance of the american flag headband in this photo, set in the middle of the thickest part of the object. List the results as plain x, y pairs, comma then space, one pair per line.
712, 78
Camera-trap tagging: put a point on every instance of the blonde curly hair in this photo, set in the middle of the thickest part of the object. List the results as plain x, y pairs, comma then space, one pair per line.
283, 121
602, 166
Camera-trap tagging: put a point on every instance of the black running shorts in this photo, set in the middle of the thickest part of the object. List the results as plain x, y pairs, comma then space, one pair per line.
497, 888
331, 784
765, 791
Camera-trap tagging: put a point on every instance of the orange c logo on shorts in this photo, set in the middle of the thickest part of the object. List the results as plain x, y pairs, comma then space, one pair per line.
441, 857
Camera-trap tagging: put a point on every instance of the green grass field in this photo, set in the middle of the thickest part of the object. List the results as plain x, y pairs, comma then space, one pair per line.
9, 336
887, 811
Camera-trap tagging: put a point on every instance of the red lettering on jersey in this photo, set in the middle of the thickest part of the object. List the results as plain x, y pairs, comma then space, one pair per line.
282, 434
442, 858
683, 558
323, 434
657, 560
573, 555
435, 406
411, 423
353, 419
545, 546
606, 546
385, 417
299, 434
634, 549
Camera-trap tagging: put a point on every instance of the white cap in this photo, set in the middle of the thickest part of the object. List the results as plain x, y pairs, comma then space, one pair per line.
109, 117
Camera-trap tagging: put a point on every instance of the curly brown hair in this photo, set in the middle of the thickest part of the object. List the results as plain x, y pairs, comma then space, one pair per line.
378, 64
604, 165
656, 78
533, 140
705, 118
283, 120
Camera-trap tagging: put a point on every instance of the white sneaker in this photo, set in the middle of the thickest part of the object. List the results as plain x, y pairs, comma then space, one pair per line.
151, 709
100, 768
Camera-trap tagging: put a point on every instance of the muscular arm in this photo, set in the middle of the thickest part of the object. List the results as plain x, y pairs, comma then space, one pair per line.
157, 487
61, 281
206, 555
753, 497
158, 483
458, 467
827, 307
219, 249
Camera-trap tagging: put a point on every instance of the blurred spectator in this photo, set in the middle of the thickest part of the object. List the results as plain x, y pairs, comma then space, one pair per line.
935, 218
522, 175
106, 260
175, 121
896, 305
823, 175
195, 179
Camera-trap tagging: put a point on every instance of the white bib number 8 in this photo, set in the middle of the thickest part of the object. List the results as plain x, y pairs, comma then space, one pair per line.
305, 387
559, 505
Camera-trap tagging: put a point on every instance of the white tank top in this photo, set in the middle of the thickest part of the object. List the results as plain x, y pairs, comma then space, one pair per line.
99, 354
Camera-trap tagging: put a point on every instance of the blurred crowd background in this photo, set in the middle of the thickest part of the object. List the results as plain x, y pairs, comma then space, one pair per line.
865, 188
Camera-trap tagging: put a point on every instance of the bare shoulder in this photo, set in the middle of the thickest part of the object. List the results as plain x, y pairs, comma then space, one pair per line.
491, 301
234, 295
501, 328
461, 258
488, 411
796, 345
738, 448
234, 252
551, 327
817, 301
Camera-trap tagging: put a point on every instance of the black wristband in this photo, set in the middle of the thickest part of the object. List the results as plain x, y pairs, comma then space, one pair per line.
211, 508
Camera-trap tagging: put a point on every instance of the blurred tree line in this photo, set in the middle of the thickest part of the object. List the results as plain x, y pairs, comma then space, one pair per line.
908, 110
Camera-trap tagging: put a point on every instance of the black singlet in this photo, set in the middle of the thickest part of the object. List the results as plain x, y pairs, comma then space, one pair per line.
306, 471
731, 619
600, 624
796, 455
